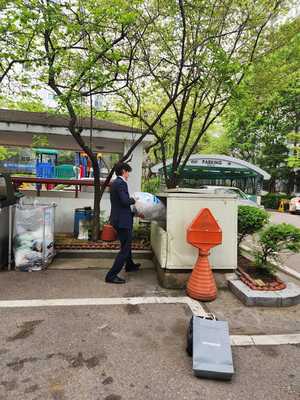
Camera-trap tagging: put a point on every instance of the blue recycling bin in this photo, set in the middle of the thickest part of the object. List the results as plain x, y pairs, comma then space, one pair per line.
82, 214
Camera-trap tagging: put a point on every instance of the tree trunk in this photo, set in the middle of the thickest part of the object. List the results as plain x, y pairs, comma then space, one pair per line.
291, 182
272, 184
97, 199
172, 181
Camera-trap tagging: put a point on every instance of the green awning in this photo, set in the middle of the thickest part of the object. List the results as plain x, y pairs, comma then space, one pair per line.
200, 172
46, 151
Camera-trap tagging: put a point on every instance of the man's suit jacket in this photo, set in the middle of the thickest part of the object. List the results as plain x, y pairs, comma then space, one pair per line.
121, 215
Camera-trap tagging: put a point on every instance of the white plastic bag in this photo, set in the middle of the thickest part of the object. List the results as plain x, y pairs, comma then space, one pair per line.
149, 206
34, 236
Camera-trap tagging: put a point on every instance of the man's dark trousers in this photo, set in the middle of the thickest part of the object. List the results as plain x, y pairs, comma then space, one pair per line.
124, 256
122, 220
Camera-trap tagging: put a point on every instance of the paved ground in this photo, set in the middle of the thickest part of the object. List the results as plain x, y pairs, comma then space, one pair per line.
60, 284
53, 284
126, 352
122, 352
278, 218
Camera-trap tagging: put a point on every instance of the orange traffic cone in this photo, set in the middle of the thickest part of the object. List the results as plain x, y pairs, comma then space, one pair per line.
203, 233
202, 285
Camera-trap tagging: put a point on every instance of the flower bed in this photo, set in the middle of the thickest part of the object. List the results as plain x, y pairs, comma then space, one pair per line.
66, 242
258, 278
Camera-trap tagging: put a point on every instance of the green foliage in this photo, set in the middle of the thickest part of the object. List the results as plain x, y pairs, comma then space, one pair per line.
5, 153
294, 159
66, 157
272, 200
250, 220
141, 231
39, 141
29, 103
202, 51
151, 185
265, 109
216, 144
276, 239
106, 47
103, 219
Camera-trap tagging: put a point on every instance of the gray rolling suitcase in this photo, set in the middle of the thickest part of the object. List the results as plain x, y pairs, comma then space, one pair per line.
211, 349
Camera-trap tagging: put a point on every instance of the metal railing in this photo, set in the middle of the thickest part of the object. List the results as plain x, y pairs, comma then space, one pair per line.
52, 182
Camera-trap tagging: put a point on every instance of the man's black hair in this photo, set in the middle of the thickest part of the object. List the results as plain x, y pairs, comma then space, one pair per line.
122, 167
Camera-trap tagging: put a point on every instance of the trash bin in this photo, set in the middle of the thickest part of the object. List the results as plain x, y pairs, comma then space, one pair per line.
82, 222
8, 198
34, 236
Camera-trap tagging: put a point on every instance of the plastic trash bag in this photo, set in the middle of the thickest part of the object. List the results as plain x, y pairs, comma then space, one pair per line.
33, 236
149, 206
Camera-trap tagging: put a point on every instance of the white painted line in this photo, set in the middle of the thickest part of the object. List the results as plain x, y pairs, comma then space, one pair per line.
241, 340
195, 306
276, 339
264, 340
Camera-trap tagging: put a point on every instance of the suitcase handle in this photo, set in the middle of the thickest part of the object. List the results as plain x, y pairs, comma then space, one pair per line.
209, 316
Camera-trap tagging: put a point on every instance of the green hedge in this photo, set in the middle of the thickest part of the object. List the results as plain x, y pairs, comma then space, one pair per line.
250, 220
272, 200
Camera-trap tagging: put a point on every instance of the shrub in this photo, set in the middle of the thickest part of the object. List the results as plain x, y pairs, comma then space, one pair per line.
141, 231
275, 239
250, 220
151, 185
271, 200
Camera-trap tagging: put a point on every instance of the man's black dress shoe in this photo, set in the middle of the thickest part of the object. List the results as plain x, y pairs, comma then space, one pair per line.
132, 268
115, 279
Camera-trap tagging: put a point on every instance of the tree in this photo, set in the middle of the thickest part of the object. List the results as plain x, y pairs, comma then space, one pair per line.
83, 49
18, 34
185, 56
202, 49
266, 107
294, 159
98, 48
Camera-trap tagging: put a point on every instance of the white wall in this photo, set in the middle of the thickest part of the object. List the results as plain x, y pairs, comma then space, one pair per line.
66, 205
135, 179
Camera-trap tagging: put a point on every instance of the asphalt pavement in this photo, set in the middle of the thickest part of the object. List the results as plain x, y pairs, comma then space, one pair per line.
124, 352
279, 217
127, 353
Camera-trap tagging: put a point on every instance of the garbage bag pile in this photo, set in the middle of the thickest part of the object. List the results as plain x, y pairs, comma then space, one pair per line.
149, 206
33, 237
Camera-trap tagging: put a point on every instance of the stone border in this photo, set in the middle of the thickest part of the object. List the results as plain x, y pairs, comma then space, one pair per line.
84, 253
282, 298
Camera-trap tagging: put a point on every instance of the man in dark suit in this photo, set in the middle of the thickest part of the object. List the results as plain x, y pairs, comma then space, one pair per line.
121, 218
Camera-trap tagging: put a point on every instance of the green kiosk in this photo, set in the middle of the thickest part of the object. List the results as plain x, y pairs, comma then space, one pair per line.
219, 170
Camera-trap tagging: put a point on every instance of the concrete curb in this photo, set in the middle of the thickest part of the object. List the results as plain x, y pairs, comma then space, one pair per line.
281, 298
